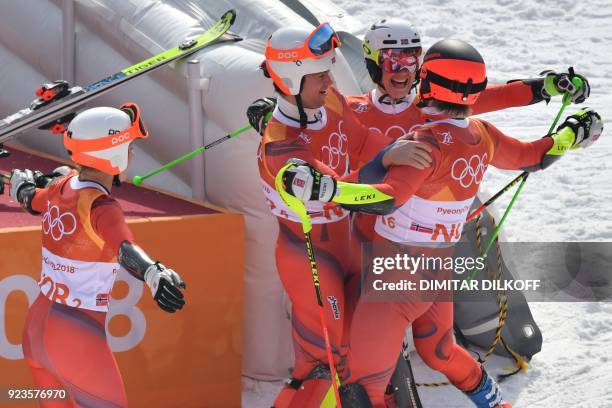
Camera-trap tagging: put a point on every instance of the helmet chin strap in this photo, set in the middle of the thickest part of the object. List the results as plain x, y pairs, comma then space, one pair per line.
303, 116
386, 99
300, 106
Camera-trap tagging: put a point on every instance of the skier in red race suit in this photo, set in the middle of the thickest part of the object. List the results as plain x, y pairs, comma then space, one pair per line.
392, 53
85, 241
313, 122
452, 77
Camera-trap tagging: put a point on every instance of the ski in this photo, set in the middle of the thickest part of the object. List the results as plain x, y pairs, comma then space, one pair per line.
57, 100
414, 392
403, 384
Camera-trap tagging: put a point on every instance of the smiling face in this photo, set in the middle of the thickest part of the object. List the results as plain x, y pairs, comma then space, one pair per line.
397, 84
314, 89
399, 67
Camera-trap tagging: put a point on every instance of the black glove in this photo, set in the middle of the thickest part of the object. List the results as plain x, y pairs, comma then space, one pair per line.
307, 183
561, 83
165, 285
43, 180
21, 179
257, 112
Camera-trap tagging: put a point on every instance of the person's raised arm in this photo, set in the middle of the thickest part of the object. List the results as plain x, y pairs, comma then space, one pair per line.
522, 92
578, 130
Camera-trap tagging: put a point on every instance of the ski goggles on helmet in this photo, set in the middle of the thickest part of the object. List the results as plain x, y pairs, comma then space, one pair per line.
79, 148
394, 60
322, 41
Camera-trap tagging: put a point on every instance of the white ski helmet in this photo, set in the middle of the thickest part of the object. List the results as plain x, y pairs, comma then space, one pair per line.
387, 33
100, 137
292, 52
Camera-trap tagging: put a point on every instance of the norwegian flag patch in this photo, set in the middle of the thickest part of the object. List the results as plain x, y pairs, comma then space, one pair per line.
420, 228
102, 299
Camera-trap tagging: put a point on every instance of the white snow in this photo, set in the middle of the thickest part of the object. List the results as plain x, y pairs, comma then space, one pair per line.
568, 202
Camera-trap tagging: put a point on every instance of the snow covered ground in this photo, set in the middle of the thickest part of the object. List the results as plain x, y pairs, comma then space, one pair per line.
571, 201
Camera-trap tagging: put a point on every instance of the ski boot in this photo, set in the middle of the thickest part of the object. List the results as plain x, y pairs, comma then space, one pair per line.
487, 394
353, 395
315, 390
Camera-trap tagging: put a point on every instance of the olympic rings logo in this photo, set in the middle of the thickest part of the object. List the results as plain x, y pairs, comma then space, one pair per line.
395, 132
58, 224
392, 132
469, 171
337, 147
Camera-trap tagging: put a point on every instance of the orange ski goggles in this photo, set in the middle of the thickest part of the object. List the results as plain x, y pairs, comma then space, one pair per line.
319, 43
79, 149
135, 131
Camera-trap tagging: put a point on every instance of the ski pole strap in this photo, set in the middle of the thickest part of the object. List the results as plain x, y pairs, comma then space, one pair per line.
567, 99
292, 202
363, 198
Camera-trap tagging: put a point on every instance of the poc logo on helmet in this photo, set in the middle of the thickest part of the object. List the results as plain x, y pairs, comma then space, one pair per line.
288, 54
120, 137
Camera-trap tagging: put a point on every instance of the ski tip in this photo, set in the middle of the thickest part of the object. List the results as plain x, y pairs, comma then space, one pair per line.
231, 14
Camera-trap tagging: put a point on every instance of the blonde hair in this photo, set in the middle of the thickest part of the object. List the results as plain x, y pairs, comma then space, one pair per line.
454, 110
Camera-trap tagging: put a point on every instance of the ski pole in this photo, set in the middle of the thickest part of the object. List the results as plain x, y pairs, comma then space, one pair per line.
300, 209
565, 102
137, 180
495, 197
578, 83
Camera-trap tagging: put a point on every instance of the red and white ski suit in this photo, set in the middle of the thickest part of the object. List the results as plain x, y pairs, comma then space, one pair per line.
334, 144
337, 143
64, 338
432, 206
390, 120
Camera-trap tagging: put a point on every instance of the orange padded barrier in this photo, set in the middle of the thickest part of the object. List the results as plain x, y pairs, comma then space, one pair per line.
189, 359
192, 358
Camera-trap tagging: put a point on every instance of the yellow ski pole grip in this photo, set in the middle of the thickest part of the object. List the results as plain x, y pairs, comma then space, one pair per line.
294, 203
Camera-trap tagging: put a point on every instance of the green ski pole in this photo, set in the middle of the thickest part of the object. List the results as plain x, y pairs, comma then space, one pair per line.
566, 101
137, 180
523, 175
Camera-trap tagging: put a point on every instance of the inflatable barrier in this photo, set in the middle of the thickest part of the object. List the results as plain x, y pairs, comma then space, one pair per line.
112, 34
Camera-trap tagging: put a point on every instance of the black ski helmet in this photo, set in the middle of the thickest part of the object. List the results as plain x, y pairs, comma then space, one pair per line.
453, 71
